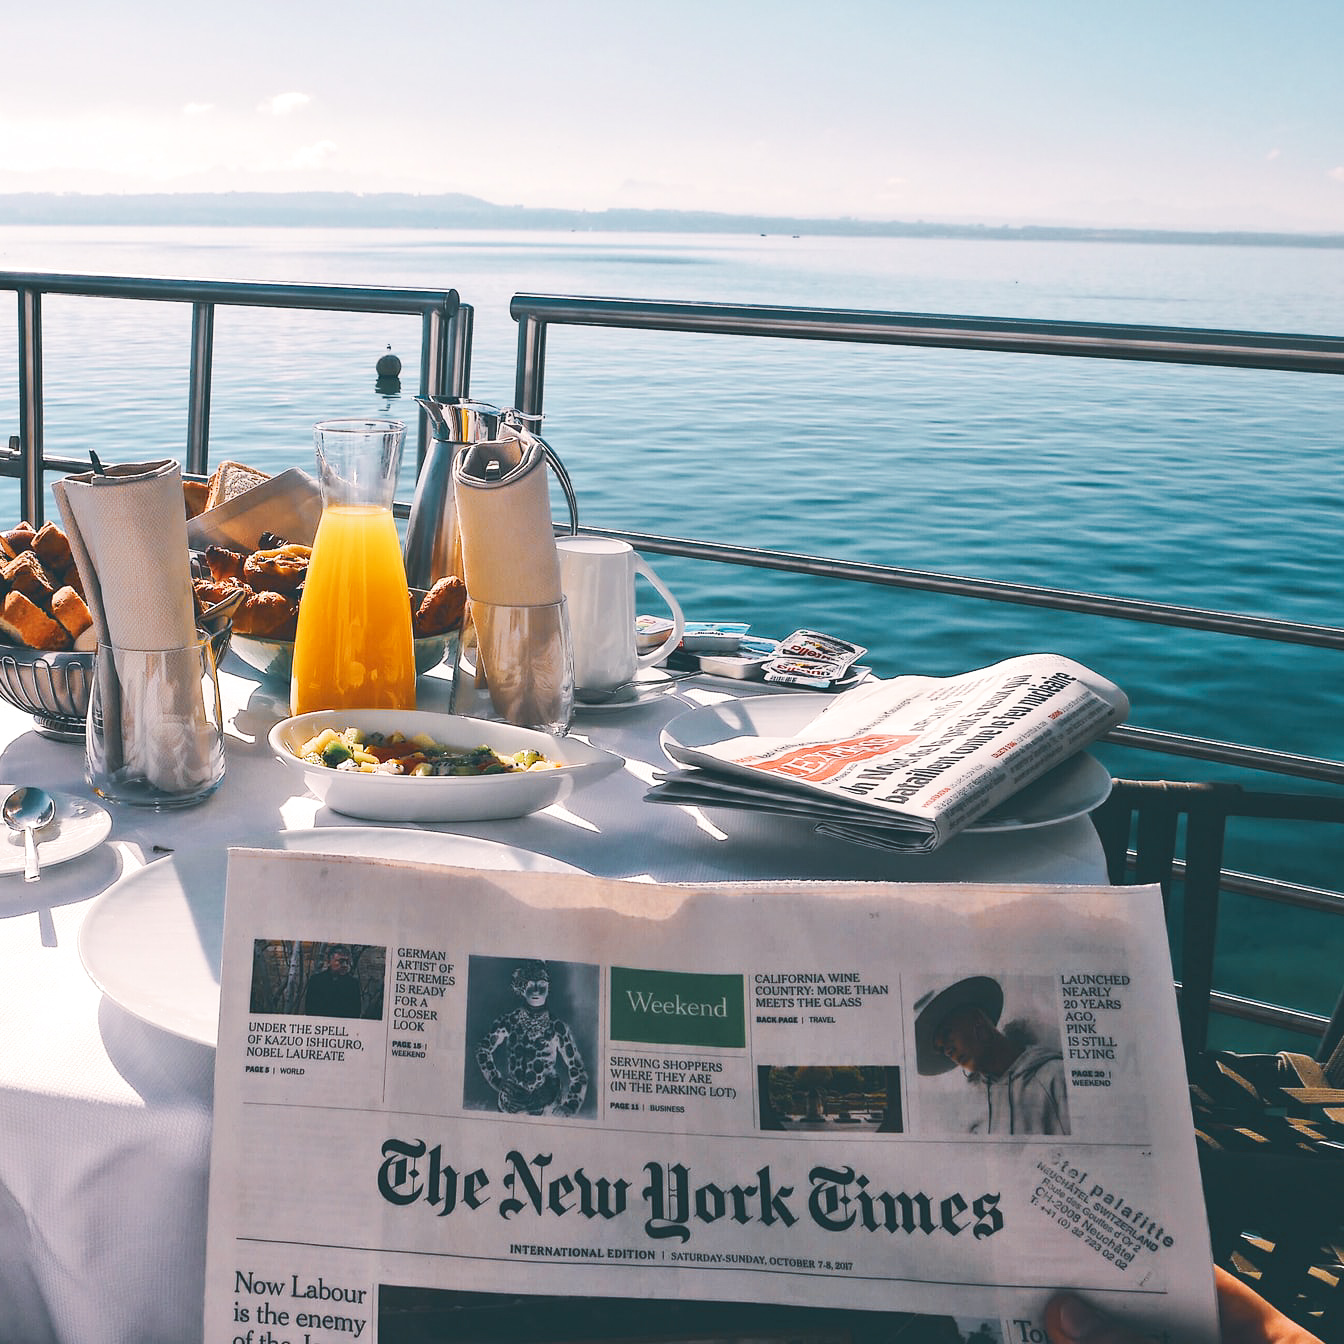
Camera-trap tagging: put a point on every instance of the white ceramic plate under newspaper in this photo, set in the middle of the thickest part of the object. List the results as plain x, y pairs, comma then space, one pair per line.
153, 942
1072, 789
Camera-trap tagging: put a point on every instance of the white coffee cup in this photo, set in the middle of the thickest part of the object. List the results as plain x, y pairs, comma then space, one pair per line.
597, 575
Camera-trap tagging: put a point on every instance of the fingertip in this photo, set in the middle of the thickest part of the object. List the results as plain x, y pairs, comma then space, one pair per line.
1068, 1319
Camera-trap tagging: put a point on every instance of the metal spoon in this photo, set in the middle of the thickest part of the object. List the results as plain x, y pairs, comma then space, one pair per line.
28, 810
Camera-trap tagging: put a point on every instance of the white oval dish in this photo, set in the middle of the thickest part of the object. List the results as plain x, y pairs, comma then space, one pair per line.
380, 797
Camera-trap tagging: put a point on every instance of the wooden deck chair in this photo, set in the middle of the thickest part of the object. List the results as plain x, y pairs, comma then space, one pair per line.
1270, 1127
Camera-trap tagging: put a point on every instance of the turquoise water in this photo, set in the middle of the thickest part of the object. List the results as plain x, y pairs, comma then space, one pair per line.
1215, 488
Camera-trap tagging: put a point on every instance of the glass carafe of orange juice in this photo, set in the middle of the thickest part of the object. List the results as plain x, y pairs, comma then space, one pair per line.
353, 649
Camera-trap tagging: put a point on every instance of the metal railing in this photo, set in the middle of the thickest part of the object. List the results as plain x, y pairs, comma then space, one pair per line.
537, 313
445, 351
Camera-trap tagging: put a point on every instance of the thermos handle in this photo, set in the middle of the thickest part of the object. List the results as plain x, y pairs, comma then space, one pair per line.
514, 419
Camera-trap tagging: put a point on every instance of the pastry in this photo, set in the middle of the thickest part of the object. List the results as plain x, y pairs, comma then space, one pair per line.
224, 563
440, 609
281, 570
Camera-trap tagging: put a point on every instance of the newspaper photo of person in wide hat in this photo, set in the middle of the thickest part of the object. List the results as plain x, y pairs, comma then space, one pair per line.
1014, 1069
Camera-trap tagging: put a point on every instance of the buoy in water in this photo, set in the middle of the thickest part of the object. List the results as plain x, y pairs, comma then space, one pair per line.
388, 366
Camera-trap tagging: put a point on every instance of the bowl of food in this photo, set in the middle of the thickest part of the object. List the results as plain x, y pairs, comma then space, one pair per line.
274, 658
271, 583
414, 765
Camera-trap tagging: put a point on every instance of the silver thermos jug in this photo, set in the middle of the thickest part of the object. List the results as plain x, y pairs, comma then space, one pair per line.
433, 548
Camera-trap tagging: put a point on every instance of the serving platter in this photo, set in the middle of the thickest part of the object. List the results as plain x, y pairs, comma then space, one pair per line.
1071, 789
153, 941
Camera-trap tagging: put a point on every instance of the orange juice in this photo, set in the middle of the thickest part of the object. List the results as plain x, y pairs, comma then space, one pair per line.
353, 649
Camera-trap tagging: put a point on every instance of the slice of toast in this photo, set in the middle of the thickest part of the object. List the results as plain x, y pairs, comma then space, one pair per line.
231, 479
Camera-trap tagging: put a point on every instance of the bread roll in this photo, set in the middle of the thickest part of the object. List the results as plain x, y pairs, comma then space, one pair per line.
24, 623
26, 574
195, 494
70, 611
440, 609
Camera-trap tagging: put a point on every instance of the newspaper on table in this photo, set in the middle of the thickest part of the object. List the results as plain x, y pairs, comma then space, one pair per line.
905, 764
453, 1103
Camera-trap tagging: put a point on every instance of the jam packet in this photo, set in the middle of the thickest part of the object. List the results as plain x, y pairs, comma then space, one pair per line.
809, 658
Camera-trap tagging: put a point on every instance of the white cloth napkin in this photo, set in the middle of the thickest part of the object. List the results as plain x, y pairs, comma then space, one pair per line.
127, 528
504, 515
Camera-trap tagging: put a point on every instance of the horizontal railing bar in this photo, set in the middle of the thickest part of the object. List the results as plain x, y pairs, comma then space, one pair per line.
1227, 753
1267, 1014
1096, 340
1273, 889
11, 460
994, 590
339, 298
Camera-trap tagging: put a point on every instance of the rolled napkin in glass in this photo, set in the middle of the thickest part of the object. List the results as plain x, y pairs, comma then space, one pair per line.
128, 532
502, 492
510, 564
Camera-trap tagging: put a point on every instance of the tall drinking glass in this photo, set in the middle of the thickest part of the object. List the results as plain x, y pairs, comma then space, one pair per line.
353, 648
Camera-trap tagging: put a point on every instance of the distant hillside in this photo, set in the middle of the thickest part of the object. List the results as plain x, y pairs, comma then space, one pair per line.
457, 211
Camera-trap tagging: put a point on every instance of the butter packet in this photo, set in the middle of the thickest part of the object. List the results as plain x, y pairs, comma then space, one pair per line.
810, 658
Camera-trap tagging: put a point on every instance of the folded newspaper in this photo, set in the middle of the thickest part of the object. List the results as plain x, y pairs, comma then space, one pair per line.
906, 764
519, 1106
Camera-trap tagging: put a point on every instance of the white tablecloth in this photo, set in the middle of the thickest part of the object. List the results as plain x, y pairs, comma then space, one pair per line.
105, 1121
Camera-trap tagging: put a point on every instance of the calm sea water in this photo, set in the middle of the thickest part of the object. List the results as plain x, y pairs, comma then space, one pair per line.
1211, 488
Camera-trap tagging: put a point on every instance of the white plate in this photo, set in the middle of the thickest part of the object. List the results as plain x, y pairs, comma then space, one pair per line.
80, 825
1072, 789
378, 797
153, 941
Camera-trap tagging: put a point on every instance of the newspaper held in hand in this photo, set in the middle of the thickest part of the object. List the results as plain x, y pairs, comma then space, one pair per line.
906, 764
486, 1106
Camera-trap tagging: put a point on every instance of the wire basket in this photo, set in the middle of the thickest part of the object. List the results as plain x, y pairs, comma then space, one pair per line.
54, 687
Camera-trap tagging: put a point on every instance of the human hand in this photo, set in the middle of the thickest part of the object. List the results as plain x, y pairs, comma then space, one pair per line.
1244, 1317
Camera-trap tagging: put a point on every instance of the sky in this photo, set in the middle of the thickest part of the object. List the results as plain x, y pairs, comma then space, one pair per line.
1204, 114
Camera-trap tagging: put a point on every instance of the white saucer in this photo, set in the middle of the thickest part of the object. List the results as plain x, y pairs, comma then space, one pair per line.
80, 825
647, 685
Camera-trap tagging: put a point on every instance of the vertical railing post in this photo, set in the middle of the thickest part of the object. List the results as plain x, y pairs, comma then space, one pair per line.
433, 353
458, 379
30, 405
531, 374
445, 362
198, 396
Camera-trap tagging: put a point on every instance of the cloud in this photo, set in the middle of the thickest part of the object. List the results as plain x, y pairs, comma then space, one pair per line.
314, 155
197, 109
1273, 154
282, 104
1337, 173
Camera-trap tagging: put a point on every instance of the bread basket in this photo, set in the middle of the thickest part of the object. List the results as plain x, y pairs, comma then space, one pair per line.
54, 687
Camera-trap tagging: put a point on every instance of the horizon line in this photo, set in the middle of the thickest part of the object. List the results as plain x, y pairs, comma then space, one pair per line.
471, 211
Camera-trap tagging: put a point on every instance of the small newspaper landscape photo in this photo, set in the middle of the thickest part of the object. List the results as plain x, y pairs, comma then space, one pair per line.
561, 1108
